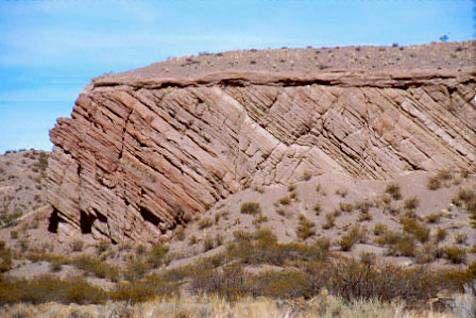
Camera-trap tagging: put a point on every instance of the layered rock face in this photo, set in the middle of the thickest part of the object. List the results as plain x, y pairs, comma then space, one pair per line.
140, 155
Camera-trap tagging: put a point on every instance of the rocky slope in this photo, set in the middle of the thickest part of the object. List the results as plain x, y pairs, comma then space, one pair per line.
146, 150
21, 183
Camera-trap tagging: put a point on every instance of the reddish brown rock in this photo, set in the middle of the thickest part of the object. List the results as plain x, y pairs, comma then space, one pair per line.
140, 154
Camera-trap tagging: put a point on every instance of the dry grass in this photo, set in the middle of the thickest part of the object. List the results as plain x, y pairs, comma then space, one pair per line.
324, 305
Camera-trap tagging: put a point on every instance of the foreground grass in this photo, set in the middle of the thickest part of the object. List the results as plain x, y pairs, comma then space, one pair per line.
255, 272
322, 305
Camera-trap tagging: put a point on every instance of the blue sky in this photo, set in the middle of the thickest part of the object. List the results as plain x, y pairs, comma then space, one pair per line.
49, 50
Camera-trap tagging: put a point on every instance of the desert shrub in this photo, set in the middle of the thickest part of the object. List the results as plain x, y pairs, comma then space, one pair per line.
208, 244
367, 258
364, 206
180, 234
42, 163
77, 245
425, 254
141, 249
260, 218
443, 177
412, 226
317, 208
24, 245
281, 211
97, 267
228, 282
411, 203
345, 207
281, 284
204, 223
306, 176
293, 195
250, 208
242, 236
232, 282
405, 246
393, 189
14, 234
263, 247
352, 280
143, 290
460, 238
466, 198
433, 218
398, 243
364, 216
455, 254
50, 289
157, 255
102, 246
330, 221
6, 257
305, 228
341, 192
55, 267
9, 219
291, 187
318, 187
136, 269
433, 183
440, 234
193, 240
379, 229
285, 201
356, 234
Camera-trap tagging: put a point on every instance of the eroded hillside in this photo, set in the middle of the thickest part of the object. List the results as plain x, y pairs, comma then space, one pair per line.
143, 152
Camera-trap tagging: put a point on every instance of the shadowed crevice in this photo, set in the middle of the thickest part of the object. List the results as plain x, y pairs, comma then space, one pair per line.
148, 216
86, 222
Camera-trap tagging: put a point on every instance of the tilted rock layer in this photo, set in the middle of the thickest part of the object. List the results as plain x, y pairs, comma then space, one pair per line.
141, 154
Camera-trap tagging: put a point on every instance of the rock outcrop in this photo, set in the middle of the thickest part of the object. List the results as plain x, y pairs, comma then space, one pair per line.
141, 154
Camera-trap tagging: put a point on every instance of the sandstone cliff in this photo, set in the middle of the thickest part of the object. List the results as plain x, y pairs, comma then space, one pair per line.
143, 152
